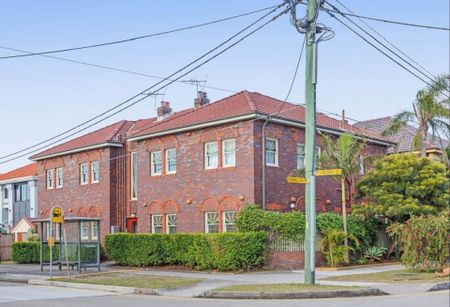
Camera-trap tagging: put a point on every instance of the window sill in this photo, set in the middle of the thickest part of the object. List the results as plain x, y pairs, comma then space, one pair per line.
272, 165
171, 173
156, 175
94, 182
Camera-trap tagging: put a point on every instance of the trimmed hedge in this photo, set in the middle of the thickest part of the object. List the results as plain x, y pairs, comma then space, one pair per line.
223, 252
25, 252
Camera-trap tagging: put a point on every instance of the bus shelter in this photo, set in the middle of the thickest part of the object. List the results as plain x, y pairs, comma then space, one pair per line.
78, 236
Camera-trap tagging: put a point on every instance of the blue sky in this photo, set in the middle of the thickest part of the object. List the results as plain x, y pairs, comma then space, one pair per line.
41, 97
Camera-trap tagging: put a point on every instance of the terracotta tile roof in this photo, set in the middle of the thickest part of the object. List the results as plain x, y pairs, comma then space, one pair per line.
24, 171
244, 103
108, 134
404, 137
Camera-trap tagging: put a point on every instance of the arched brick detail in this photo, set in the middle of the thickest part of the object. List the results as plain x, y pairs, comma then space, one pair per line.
274, 134
209, 204
230, 132
95, 154
209, 136
154, 144
297, 137
82, 212
155, 207
171, 206
229, 203
94, 211
171, 141
82, 157
45, 214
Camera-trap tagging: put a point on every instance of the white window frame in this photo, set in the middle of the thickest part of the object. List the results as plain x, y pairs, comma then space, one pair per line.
152, 163
317, 153
206, 165
84, 226
167, 223
168, 161
153, 223
93, 163
276, 153
300, 157
50, 179
94, 231
59, 177
224, 220
133, 175
224, 153
82, 165
206, 222
362, 168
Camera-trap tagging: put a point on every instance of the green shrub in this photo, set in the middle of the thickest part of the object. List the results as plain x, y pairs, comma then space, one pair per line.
25, 252
332, 245
224, 252
374, 253
423, 241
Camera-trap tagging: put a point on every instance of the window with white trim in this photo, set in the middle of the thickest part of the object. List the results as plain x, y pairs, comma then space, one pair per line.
229, 153
229, 221
84, 173
211, 160
84, 232
301, 155
171, 161
59, 177
171, 223
95, 171
155, 163
361, 165
94, 230
211, 222
157, 223
50, 178
271, 152
133, 177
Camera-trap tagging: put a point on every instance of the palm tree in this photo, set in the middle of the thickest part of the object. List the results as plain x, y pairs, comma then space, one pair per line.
345, 154
431, 113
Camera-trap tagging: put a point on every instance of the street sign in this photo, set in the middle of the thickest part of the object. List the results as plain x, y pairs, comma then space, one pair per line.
296, 180
328, 172
57, 215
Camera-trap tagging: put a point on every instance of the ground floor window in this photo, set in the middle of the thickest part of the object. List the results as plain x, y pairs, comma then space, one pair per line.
171, 221
229, 221
94, 229
157, 224
84, 233
211, 222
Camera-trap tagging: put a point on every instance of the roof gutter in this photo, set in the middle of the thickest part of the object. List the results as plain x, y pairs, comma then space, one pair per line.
76, 150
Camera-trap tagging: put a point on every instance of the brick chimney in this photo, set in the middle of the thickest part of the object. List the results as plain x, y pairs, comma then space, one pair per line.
164, 110
201, 100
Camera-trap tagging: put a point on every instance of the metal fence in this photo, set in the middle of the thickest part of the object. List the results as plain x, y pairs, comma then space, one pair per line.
283, 244
6, 242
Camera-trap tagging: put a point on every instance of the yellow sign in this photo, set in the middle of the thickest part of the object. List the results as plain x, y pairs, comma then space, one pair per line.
51, 241
57, 215
296, 180
329, 172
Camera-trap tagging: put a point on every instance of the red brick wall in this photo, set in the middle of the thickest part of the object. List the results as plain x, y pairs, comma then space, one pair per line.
92, 199
290, 260
193, 190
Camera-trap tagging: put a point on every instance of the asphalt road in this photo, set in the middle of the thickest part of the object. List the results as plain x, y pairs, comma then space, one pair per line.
35, 296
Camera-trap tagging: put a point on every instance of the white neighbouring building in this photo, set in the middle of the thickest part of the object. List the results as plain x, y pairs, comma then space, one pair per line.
19, 196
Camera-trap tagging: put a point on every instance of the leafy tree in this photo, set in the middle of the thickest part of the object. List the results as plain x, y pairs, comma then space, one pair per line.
402, 185
431, 113
345, 154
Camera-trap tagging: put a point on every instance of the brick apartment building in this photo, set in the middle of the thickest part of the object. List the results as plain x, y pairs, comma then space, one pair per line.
190, 171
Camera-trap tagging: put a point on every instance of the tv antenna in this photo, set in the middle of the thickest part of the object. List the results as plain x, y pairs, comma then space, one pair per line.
198, 83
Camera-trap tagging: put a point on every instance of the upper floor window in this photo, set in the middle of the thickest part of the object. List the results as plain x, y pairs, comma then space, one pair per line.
171, 223
229, 153
157, 223
171, 161
5, 193
229, 221
133, 169
59, 177
211, 222
211, 160
156, 163
95, 171
50, 178
22, 192
301, 155
84, 173
271, 152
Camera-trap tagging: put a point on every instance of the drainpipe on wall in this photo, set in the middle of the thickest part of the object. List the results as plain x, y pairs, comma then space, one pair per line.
263, 150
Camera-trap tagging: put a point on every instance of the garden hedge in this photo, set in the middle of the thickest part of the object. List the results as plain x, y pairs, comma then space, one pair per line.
25, 252
223, 252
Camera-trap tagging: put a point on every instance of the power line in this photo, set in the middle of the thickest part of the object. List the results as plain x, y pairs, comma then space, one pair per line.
126, 71
387, 20
380, 50
147, 95
386, 40
127, 40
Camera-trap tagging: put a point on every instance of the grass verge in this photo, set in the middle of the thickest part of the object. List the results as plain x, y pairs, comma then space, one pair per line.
291, 287
398, 276
133, 280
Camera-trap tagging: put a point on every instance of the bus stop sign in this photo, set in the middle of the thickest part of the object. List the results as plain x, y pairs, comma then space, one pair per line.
57, 215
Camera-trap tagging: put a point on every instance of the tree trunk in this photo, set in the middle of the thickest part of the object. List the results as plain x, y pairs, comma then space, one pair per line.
444, 153
423, 143
344, 220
